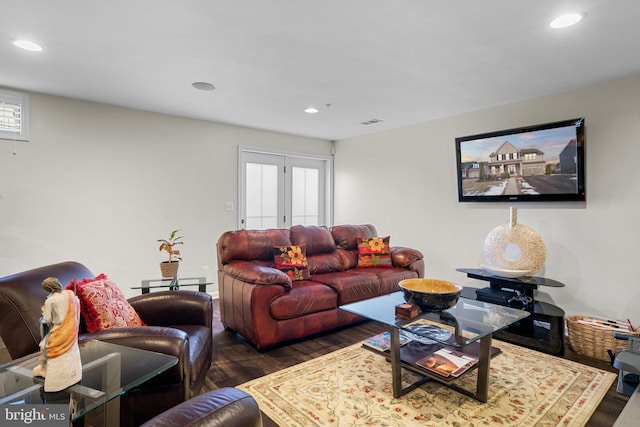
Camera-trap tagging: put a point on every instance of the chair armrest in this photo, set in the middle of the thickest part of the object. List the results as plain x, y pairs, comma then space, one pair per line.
182, 307
228, 407
170, 341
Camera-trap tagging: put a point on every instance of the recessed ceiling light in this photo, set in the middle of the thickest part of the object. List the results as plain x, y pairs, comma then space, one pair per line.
27, 45
203, 86
567, 20
311, 110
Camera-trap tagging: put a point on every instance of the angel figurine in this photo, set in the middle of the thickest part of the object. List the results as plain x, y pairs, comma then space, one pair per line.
59, 362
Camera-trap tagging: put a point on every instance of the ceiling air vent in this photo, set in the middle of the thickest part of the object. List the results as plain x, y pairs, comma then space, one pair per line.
371, 122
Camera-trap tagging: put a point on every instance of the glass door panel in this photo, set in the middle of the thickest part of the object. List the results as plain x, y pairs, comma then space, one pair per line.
305, 194
262, 196
278, 191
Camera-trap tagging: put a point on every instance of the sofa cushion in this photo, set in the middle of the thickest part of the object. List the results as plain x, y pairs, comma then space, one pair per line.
346, 236
103, 305
348, 258
321, 248
389, 277
374, 252
351, 286
292, 260
324, 263
304, 298
318, 239
250, 245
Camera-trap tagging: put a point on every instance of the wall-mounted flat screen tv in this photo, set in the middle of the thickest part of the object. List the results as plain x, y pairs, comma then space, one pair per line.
544, 162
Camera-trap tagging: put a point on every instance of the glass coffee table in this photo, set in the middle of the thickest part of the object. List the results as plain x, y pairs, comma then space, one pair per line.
466, 328
108, 371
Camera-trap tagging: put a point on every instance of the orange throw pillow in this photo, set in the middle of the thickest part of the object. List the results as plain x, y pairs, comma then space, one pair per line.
292, 260
374, 252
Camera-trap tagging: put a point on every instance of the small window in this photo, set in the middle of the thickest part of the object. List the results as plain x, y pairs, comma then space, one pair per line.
14, 115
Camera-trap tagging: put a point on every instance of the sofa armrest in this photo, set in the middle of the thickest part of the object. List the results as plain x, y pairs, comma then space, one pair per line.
411, 259
226, 407
256, 274
182, 307
404, 257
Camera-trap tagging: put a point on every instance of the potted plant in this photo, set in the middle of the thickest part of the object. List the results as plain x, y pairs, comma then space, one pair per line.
169, 268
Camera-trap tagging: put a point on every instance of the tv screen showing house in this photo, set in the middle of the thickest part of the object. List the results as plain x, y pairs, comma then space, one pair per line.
534, 163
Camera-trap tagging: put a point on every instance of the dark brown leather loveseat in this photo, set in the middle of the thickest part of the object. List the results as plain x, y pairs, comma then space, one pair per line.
262, 304
180, 324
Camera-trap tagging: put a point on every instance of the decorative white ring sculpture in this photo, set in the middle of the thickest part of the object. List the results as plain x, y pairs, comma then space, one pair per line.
515, 246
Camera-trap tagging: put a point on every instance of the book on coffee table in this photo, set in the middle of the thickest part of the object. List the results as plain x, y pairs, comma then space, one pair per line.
448, 362
382, 341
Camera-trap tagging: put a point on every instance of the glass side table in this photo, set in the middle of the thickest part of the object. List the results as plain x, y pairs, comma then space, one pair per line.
173, 284
108, 371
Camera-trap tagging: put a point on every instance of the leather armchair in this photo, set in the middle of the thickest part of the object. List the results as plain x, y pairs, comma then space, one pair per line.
225, 407
179, 324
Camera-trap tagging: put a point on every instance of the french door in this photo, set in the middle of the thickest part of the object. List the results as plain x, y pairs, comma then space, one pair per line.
281, 190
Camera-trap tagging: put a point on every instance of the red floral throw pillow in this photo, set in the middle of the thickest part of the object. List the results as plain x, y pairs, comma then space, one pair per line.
103, 305
374, 252
292, 260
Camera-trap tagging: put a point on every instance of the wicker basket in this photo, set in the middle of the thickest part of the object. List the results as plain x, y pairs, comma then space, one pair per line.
169, 270
592, 341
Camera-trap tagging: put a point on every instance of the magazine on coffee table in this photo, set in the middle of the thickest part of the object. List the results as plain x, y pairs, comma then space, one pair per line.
382, 341
448, 362
426, 331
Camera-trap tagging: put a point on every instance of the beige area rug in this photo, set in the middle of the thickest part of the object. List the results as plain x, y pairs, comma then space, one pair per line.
352, 387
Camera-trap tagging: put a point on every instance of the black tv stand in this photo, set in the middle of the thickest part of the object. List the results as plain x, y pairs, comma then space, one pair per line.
543, 330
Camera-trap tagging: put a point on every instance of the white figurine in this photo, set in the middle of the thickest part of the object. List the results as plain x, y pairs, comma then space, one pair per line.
60, 363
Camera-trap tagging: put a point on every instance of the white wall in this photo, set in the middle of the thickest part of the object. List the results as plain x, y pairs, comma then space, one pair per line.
404, 182
100, 184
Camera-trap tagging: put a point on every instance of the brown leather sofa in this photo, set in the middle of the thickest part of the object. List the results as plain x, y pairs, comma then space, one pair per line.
262, 304
228, 407
180, 324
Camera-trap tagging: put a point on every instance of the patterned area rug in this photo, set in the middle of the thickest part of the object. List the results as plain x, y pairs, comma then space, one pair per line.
352, 387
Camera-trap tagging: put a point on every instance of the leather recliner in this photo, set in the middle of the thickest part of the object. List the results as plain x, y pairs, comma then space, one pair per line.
179, 324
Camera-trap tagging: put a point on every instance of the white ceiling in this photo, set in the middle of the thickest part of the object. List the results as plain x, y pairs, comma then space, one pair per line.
399, 61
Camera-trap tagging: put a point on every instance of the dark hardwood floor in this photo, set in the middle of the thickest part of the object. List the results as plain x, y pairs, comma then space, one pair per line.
235, 361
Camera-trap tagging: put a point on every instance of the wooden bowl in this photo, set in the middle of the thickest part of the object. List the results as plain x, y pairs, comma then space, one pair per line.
430, 294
